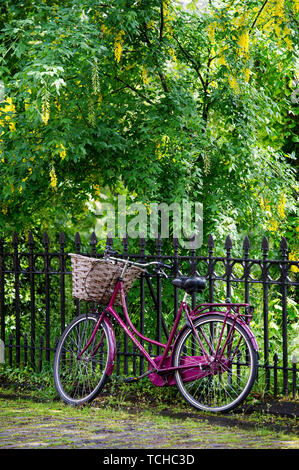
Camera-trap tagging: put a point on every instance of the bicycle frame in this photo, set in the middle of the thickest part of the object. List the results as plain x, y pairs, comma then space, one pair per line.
162, 365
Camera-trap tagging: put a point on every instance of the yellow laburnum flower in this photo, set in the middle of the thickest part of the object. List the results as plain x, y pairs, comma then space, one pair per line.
279, 9
244, 42
288, 42
104, 29
172, 54
148, 208
293, 256
12, 126
9, 107
118, 45
222, 60
247, 75
45, 110
211, 31
265, 205
117, 51
214, 84
279, 17
150, 24
145, 76
61, 151
281, 207
58, 106
233, 84
97, 189
273, 225
53, 178
158, 150
4, 209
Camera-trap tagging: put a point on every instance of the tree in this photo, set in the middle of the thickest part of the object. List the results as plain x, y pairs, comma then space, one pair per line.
163, 102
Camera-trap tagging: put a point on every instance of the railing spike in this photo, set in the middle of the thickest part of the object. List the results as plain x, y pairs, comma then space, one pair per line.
265, 244
109, 241
15, 238
210, 241
30, 238
125, 243
246, 244
175, 241
284, 244
142, 243
77, 238
61, 238
228, 243
93, 238
159, 241
46, 238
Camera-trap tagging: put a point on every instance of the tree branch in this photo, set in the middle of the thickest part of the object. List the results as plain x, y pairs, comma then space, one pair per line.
196, 67
135, 90
162, 20
258, 15
86, 122
161, 76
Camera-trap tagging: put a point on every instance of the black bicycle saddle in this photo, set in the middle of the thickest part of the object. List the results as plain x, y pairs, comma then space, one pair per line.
190, 284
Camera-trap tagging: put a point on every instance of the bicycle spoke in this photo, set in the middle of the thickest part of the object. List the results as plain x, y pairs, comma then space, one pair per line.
228, 376
78, 379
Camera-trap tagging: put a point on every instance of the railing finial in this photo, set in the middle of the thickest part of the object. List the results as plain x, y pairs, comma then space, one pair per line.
246, 244
284, 244
265, 245
228, 243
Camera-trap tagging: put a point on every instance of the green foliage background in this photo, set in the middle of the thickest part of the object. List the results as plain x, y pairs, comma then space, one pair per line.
156, 102
152, 100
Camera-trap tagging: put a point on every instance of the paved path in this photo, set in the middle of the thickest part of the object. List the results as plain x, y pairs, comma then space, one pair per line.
25, 424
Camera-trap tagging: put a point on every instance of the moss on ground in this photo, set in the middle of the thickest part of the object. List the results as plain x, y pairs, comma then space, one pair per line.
31, 422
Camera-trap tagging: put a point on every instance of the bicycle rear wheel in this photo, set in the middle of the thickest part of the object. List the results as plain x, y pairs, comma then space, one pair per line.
79, 379
223, 382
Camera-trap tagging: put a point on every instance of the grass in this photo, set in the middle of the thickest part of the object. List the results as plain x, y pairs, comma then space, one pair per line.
52, 423
142, 398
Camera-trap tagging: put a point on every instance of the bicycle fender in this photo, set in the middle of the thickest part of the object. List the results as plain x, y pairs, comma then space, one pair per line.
241, 323
112, 346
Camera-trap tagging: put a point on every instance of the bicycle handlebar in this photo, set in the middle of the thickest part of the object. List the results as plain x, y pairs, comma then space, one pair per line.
109, 252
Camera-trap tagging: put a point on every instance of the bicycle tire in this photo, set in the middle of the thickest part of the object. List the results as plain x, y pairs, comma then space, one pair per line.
226, 383
79, 380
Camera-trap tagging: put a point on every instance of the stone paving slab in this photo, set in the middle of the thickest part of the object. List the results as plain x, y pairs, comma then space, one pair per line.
56, 426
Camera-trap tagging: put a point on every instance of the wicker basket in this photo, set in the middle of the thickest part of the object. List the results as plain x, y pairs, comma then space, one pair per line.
95, 279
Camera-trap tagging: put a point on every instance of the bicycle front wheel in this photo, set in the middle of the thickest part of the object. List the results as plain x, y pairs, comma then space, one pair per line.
79, 378
222, 382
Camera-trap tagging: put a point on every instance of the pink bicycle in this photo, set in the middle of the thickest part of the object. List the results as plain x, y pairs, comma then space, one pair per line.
212, 358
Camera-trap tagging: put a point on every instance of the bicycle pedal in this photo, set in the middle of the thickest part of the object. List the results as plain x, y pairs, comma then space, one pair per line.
131, 379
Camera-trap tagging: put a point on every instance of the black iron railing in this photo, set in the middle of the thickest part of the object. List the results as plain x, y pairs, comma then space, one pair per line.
36, 301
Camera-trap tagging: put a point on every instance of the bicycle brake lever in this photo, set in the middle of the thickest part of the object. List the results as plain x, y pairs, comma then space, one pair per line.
160, 271
110, 252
